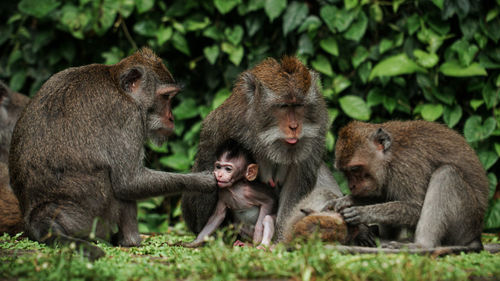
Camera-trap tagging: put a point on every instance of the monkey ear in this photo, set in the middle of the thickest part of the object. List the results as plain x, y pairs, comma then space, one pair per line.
130, 80
249, 84
382, 139
252, 171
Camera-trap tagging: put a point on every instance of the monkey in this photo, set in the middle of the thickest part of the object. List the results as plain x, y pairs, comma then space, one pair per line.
10, 214
76, 157
277, 112
11, 105
415, 174
252, 205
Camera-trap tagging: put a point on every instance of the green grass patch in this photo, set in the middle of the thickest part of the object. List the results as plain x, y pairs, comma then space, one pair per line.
23, 259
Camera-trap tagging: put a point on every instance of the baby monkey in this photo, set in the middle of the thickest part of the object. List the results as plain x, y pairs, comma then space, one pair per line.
252, 205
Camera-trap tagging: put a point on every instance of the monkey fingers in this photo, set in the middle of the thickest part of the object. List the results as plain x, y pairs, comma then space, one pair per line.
338, 204
354, 215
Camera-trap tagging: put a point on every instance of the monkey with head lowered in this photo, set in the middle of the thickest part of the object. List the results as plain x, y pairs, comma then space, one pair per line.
276, 112
11, 106
77, 152
252, 204
415, 174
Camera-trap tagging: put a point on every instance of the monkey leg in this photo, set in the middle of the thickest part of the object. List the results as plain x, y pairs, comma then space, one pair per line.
268, 223
449, 215
128, 229
197, 208
52, 224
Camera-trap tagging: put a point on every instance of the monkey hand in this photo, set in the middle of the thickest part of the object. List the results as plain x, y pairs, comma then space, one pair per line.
355, 215
204, 182
338, 204
257, 234
363, 236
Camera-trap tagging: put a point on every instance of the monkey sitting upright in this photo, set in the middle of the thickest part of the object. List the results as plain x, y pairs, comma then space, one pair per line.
252, 204
415, 174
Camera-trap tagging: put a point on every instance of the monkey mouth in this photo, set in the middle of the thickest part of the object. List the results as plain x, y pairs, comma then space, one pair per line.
292, 141
223, 184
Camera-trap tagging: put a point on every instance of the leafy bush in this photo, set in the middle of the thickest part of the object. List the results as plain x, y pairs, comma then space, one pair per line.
436, 60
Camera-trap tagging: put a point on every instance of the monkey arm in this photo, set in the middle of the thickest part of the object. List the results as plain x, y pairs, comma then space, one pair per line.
391, 213
266, 208
147, 183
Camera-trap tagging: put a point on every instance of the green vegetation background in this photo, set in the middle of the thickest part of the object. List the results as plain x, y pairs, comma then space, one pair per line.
437, 60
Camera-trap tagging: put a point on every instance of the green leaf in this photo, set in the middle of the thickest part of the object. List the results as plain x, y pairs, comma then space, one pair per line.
452, 115
364, 71
432, 39
38, 8
186, 109
490, 95
357, 28
475, 104
234, 34
355, 107
395, 65
488, 158
144, 5
333, 113
225, 6
493, 219
349, 4
274, 8
295, 14
385, 45
497, 148
453, 68
178, 162
146, 28
340, 83
322, 65
425, 59
305, 45
164, 34
465, 51
475, 130
211, 53
413, 23
235, 52
375, 97
376, 13
180, 43
389, 103
214, 33
311, 23
360, 55
17, 80
196, 23
329, 44
438, 3
335, 19
493, 182
431, 112
220, 97
330, 141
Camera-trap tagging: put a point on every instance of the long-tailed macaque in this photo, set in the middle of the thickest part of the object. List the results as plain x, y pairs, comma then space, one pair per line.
276, 112
11, 106
252, 204
76, 158
415, 174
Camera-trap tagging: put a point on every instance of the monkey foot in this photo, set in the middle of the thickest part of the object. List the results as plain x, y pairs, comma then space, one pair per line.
238, 243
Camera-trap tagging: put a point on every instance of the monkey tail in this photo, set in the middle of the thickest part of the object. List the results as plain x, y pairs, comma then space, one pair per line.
434, 252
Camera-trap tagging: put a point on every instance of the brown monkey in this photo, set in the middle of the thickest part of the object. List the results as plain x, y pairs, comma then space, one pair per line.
276, 112
77, 152
415, 174
251, 204
11, 220
11, 106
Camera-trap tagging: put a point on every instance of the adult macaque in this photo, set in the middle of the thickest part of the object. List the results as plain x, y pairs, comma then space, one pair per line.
276, 112
11, 106
77, 152
252, 204
11, 220
415, 174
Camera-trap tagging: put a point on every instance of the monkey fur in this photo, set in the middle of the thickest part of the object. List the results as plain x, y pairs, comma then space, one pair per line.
277, 112
413, 174
77, 151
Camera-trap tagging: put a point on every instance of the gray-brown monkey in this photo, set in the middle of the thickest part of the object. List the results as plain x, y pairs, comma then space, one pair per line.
77, 152
252, 205
415, 174
11, 106
276, 112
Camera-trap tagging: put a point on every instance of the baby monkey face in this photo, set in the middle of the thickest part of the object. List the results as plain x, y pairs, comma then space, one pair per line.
228, 171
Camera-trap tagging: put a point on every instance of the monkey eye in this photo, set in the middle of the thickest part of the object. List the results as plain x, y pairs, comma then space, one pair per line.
355, 169
228, 169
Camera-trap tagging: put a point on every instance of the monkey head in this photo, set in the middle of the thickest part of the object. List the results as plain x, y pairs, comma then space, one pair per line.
228, 170
286, 109
363, 153
144, 77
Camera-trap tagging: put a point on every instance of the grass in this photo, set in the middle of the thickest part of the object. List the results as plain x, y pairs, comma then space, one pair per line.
22, 259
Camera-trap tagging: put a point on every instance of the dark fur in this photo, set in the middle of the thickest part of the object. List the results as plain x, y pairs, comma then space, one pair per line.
427, 178
245, 115
77, 152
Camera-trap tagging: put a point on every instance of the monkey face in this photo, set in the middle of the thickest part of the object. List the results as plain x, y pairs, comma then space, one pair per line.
228, 171
360, 181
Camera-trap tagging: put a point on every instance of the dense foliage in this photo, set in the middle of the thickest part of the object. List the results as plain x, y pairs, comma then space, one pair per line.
436, 60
